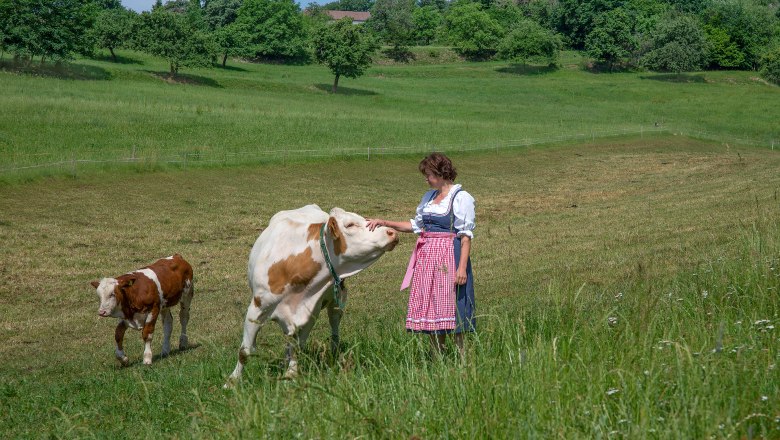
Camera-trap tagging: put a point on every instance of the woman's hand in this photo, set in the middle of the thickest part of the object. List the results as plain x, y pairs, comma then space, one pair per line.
460, 276
372, 223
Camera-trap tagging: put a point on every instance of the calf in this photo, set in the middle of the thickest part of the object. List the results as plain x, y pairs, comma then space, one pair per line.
139, 297
293, 267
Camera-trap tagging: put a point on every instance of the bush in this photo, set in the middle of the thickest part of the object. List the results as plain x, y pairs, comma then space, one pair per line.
529, 41
770, 65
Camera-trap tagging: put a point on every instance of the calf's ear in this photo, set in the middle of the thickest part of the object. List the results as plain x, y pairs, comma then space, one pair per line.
127, 283
95, 284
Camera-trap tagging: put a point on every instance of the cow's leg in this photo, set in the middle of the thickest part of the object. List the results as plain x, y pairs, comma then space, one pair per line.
255, 316
167, 329
119, 337
334, 316
297, 341
147, 332
184, 314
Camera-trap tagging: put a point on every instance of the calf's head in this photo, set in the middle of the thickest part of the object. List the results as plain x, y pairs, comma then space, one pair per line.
355, 247
110, 292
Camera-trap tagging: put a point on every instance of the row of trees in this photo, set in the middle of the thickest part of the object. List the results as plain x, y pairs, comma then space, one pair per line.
662, 35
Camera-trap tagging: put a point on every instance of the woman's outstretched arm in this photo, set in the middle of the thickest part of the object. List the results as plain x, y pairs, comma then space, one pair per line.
398, 226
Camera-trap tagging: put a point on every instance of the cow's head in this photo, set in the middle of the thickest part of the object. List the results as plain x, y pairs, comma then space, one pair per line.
109, 291
354, 246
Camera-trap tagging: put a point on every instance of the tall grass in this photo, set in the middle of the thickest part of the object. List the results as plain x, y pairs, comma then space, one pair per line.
626, 289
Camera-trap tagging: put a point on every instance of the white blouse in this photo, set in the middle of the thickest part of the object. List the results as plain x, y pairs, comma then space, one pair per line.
462, 206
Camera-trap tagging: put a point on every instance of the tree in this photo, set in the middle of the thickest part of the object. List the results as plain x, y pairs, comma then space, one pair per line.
577, 16
678, 44
112, 29
770, 65
427, 21
749, 26
275, 29
392, 20
220, 13
229, 37
170, 35
47, 28
345, 48
529, 41
724, 53
473, 32
611, 41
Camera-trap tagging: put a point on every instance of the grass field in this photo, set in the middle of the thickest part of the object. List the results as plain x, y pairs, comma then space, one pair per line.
626, 289
97, 110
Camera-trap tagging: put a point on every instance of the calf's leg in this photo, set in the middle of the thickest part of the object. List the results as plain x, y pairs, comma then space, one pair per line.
119, 337
167, 329
146, 334
184, 314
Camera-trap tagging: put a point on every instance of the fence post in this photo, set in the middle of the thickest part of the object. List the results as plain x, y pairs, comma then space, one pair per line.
133, 156
369, 153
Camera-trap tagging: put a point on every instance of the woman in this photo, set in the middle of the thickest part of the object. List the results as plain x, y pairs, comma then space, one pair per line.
441, 300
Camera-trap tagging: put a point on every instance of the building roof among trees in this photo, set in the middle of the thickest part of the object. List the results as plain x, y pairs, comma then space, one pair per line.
355, 16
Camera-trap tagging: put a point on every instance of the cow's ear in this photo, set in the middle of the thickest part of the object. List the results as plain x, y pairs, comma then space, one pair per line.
333, 227
95, 284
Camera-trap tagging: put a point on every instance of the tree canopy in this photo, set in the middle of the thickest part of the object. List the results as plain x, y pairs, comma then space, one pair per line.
345, 48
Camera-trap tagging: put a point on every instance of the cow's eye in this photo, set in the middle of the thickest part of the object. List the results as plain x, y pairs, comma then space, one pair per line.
351, 225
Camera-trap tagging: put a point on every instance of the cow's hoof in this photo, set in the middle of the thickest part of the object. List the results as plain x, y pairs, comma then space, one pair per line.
230, 383
124, 361
183, 343
148, 361
290, 375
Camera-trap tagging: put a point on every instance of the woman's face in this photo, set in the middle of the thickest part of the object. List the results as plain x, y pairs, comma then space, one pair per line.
434, 181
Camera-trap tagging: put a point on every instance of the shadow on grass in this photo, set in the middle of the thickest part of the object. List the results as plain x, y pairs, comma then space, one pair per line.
527, 69
159, 356
345, 90
185, 78
61, 70
231, 68
119, 59
676, 77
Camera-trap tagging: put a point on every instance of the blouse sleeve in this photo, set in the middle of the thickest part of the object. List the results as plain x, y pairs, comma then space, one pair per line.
463, 208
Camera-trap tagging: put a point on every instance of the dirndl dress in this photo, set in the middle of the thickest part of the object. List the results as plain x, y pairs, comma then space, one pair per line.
436, 304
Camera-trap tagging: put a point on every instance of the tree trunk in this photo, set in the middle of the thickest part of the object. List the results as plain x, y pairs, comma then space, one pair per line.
173, 70
113, 56
224, 59
335, 83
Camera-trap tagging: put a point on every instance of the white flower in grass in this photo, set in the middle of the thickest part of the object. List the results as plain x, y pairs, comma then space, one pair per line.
764, 398
619, 295
612, 320
612, 391
761, 322
705, 294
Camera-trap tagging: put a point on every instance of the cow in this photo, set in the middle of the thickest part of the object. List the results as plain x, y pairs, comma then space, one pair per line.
295, 269
139, 297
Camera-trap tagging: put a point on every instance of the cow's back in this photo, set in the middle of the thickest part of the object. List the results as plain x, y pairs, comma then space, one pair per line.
175, 275
287, 234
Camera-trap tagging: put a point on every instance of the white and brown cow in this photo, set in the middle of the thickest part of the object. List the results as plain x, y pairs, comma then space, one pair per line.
139, 297
290, 279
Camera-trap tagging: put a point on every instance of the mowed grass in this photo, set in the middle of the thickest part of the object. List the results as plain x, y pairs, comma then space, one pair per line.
626, 289
103, 111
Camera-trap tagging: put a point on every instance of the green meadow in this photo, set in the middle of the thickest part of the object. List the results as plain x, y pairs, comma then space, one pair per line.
247, 113
627, 286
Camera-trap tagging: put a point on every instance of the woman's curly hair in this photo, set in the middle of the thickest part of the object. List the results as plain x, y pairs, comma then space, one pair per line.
440, 165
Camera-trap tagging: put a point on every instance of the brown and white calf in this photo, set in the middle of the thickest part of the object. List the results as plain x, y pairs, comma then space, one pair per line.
139, 297
290, 279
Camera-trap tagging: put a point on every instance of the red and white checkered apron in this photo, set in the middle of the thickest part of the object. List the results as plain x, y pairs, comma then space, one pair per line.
432, 297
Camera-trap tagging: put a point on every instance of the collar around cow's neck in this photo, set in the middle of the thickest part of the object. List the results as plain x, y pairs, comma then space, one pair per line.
338, 283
